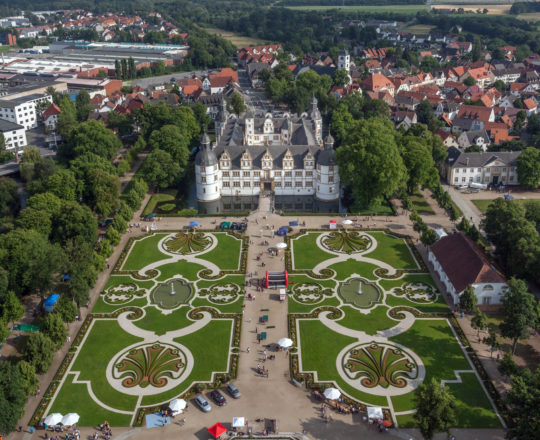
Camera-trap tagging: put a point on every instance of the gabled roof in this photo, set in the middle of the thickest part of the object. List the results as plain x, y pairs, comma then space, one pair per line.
51, 111
464, 262
475, 112
459, 159
529, 104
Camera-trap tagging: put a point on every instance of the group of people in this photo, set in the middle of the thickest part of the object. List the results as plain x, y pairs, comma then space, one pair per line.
263, 372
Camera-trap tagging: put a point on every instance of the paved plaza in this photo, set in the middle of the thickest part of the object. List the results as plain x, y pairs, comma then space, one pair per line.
184, 339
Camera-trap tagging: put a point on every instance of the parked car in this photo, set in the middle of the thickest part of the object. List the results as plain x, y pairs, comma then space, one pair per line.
203, 404
233, 391
218, 398
460, 187
235, 226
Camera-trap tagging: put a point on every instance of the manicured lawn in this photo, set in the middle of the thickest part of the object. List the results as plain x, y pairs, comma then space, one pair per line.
102, 307
210, 349
370, 323
438, 306
116, 280
320, 347
155, 320
392, 250
105, 340
186, 269
406, 421
155, 199
144, 251
236, 279
420, 204
436, 345
416, 278
346, 268
226, 255
473, 407
482, 204
296, 307
75, 398
306, 253
235, 307
299, 279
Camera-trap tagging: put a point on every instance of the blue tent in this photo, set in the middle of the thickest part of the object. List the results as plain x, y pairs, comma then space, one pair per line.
282, 231
295, 223
509, 197
193, 224
50, 302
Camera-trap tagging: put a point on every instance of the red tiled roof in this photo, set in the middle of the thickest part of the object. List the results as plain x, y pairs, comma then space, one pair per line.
51, 111
464, 262
529, 103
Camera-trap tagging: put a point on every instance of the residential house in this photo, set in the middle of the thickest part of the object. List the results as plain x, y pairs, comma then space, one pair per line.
479, 138
50, 116
477, 113
459, 263
530, 106
377, 82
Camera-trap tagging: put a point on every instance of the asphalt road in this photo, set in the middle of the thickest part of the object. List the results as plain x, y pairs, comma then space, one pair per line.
165, 79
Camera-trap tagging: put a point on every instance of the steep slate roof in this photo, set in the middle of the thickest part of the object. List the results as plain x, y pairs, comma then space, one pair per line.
458, 159
464, 262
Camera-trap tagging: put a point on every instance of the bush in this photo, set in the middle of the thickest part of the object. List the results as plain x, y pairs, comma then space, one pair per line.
167, 207
39, 351
125, 211
105, 249
113, 236
123, 167
133, 199
66, 308
119, 224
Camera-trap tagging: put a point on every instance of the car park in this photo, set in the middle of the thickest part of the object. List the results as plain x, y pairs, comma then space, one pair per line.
203, 404
218, 398
233, 391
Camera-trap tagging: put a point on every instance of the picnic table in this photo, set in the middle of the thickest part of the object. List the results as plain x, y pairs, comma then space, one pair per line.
262, 336
264, 318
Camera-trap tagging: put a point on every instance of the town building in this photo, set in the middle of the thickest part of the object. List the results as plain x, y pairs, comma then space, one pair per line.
459, 262
14, 135
486, 168
284, 154
50, 116
22, 110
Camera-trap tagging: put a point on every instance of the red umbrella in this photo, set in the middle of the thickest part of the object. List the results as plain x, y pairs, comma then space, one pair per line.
217, 430
387, 423
333, 221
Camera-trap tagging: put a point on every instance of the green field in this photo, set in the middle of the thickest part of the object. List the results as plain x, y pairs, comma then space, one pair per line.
482, 204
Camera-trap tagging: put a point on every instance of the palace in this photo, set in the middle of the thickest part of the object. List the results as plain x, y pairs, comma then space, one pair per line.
283, 154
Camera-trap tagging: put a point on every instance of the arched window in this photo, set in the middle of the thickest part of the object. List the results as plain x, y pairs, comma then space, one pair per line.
487, 287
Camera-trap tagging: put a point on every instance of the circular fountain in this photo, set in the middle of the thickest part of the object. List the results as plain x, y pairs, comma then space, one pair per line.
359, 292
172, 293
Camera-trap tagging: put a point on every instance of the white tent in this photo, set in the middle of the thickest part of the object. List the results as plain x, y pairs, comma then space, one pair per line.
374, 412
347, 222
238, 422
177, 405
70, 419
281, 245
53, 419
332, 393
285, 342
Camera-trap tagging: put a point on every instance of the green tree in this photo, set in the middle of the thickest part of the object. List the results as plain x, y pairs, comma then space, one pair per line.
493, 339
522, 402
435, 408
66, 309
528, 167
468, 300
67, 119
169, 138
507, 366
424, 111
12, 396
476, 53
469, 81
63, 184
11, 307
28, 376
39, 351
55, 329
237, 104
93, 137
370, 162
500, 85
4, 330
341, 77
479, 321
429, 64
54, 95
160, 170
520, 312
419, 163
118, 69
83, 105
428, 237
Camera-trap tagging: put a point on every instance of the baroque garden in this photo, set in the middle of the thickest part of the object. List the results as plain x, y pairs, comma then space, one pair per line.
364, 315
167, 322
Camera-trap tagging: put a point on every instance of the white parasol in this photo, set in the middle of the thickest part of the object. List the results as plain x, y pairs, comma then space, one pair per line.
53, 419
177, 405
285, 342
347, 222
70, 419
332, 393
281, 245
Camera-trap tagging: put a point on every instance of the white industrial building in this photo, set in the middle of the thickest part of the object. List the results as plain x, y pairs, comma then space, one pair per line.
14, 135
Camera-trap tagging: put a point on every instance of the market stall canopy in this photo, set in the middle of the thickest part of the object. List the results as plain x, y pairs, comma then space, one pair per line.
347, 222
70, 419
177, 405
285, 342
374, 412
53, 419
217, 430
238, 422
281, 245
332, 393
193, 223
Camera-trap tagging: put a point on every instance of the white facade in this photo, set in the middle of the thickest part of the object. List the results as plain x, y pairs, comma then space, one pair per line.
22, 111
496, 173
486, 293
50, 122
344, 61
14, 135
